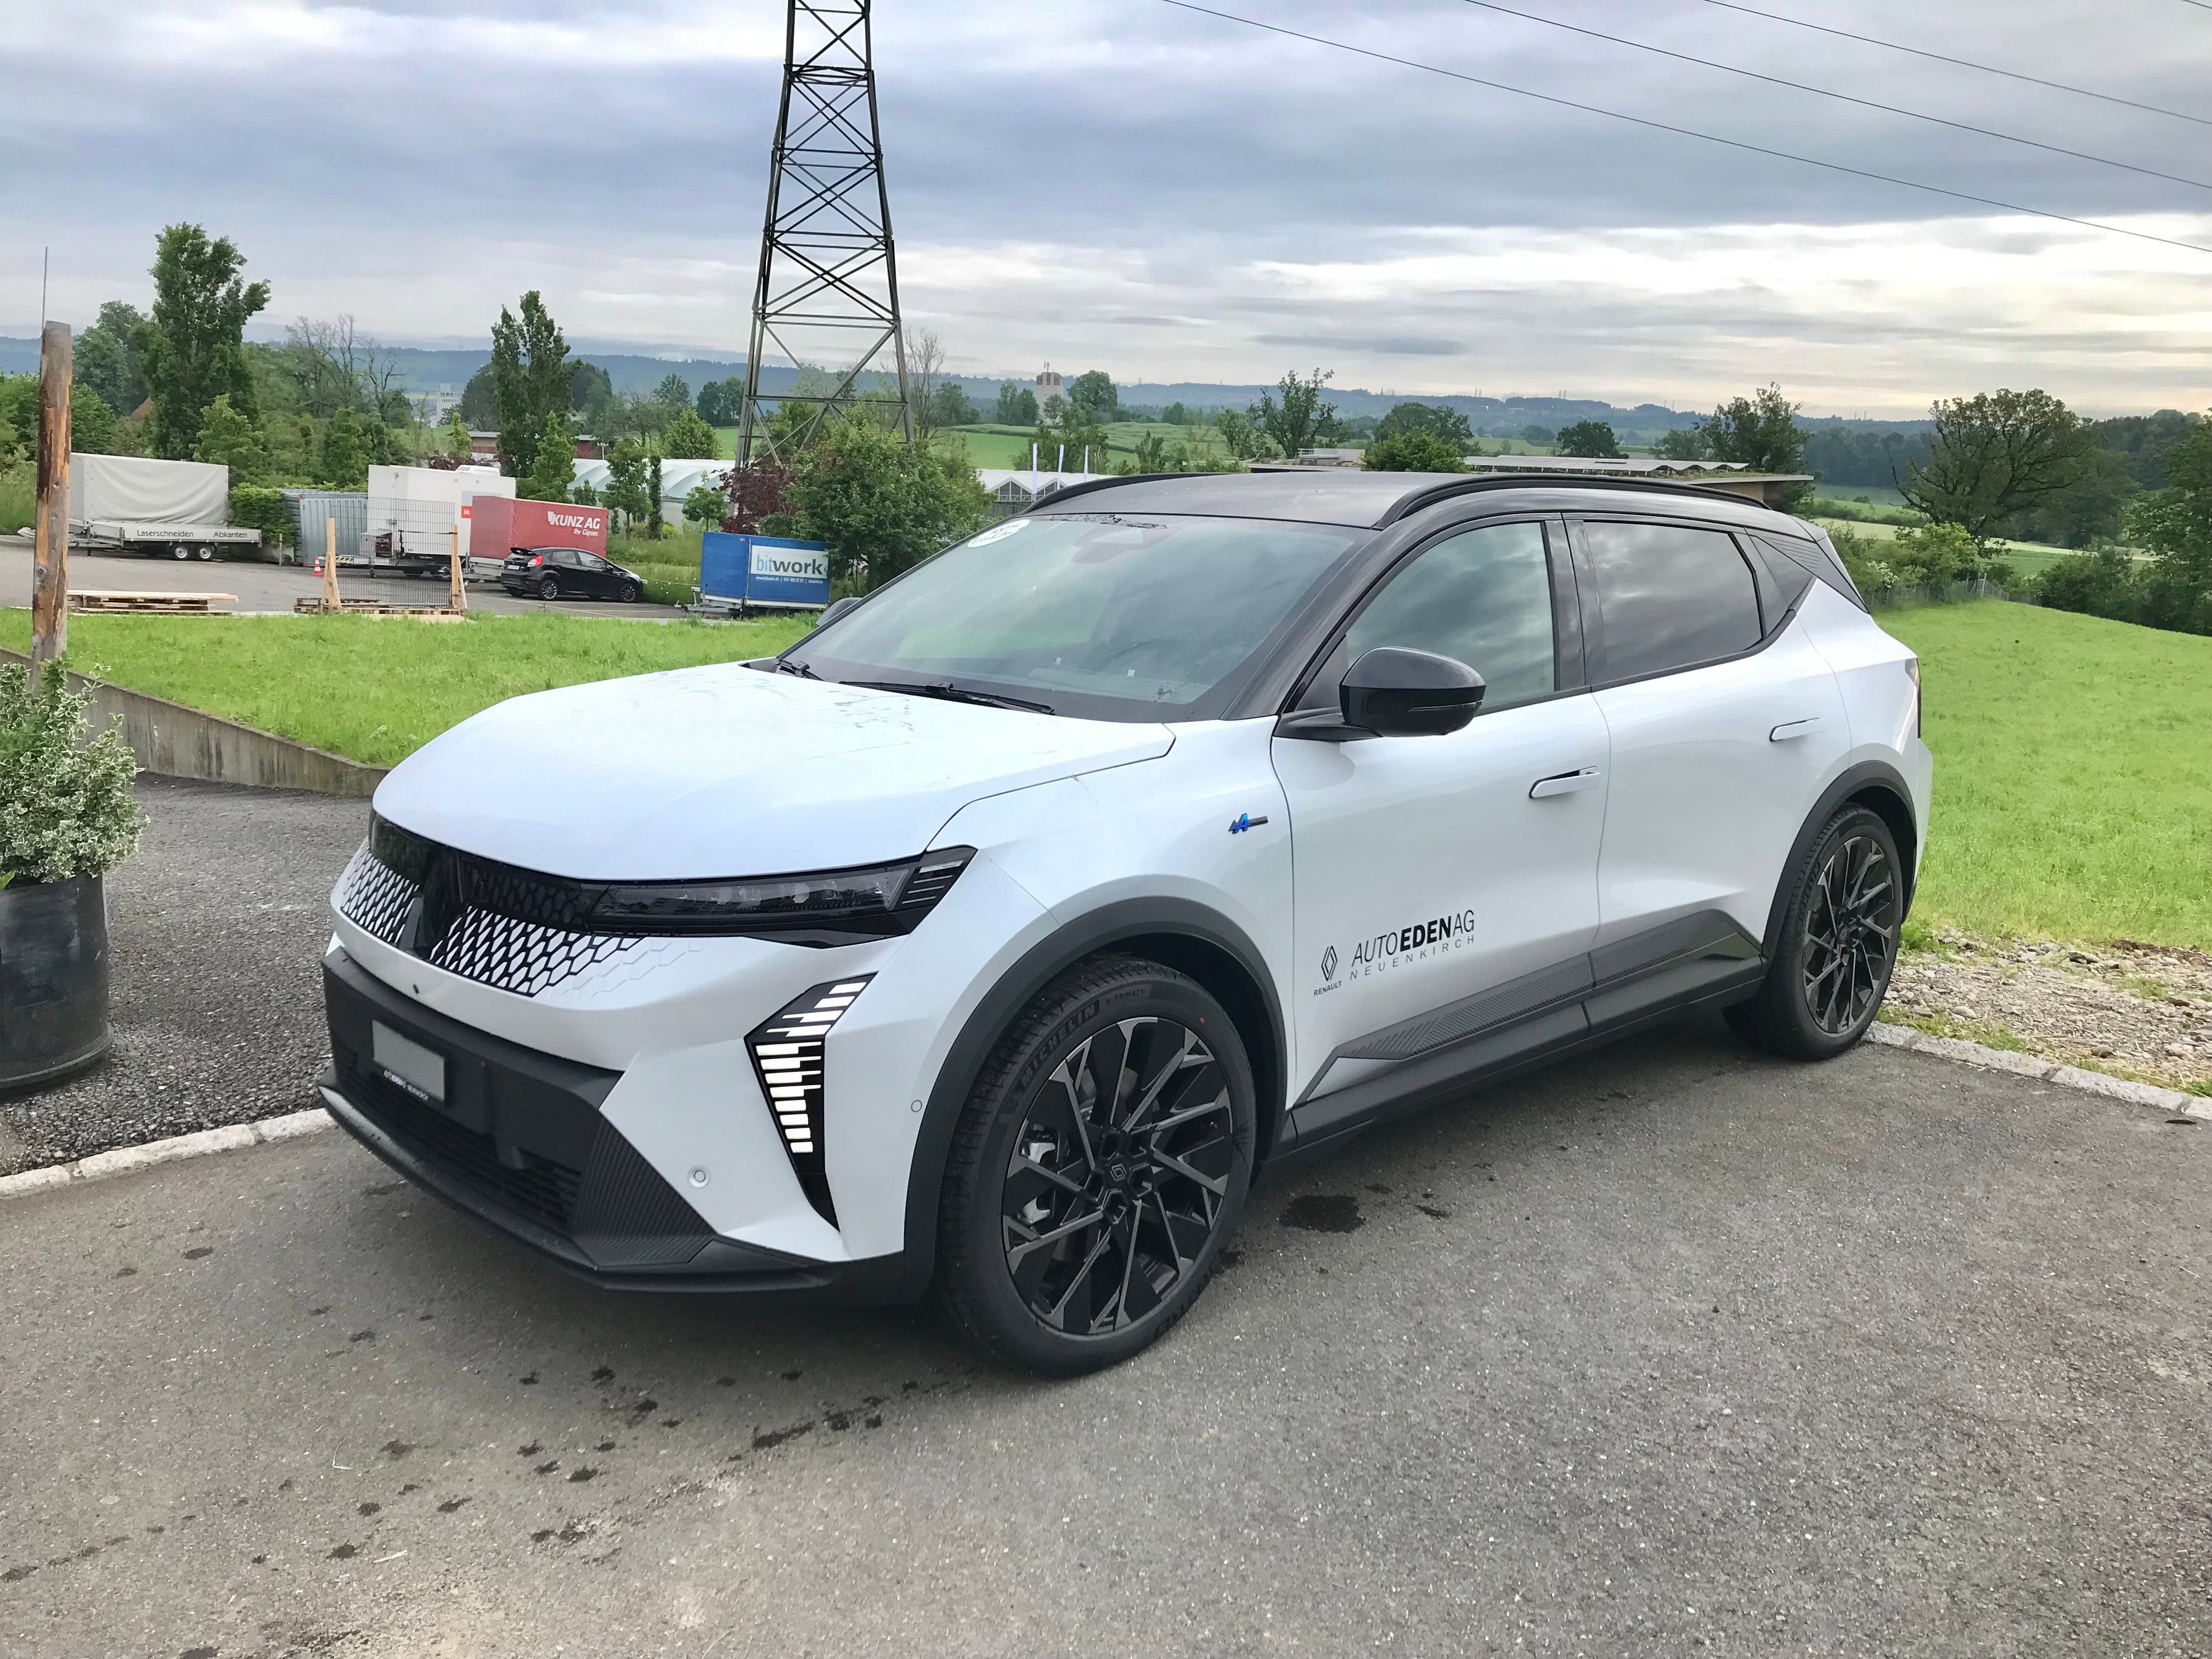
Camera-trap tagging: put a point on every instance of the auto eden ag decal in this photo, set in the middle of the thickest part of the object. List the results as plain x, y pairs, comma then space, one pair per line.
1419, 941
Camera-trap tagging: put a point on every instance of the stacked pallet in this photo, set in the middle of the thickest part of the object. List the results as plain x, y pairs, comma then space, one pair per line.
99, 599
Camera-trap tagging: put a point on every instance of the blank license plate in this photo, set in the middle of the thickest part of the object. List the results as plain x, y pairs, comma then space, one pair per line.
420, 1072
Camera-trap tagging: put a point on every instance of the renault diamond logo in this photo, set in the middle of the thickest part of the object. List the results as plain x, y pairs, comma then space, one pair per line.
1328, 962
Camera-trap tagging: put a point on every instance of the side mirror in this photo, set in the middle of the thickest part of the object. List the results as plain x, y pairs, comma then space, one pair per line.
1395, 692
836, 609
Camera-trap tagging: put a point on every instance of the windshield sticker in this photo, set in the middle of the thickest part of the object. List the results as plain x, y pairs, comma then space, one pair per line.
998, 532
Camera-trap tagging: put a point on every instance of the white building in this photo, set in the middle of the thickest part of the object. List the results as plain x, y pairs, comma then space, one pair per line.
1049, 386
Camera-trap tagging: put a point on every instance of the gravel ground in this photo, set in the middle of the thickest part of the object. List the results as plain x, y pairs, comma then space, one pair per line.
2135, 1010
217, 929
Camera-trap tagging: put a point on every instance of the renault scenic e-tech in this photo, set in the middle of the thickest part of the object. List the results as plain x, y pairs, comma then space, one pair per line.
994, 937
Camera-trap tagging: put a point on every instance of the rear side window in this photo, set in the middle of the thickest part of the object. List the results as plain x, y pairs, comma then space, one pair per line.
1670, 597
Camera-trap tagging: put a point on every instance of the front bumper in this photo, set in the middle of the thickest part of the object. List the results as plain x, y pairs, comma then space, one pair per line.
520, 1145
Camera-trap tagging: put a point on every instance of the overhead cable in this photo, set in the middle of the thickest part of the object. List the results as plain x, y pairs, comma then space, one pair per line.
1961, 63
1688, 132
1842, 97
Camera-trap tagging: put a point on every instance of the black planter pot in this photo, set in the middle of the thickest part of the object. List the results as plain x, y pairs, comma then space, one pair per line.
53, 979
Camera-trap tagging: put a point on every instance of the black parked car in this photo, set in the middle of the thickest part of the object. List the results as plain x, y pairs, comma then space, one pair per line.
554, 572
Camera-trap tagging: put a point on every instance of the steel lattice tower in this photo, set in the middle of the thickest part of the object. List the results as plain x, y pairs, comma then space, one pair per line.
828, 292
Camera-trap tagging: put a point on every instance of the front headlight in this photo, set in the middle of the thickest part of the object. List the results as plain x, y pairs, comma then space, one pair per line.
827, 907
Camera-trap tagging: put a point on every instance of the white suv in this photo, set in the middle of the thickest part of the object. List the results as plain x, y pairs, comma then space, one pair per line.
995, 936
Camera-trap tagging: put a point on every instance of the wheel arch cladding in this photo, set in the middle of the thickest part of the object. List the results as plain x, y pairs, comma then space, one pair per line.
1199, 943
1875, 785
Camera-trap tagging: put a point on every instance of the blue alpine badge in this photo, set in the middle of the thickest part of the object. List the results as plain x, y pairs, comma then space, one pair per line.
1245, 821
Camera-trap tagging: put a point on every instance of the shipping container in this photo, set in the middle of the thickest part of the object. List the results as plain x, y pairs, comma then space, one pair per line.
309, 510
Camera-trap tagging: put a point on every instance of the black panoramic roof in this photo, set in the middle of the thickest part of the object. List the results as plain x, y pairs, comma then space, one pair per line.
1341, 495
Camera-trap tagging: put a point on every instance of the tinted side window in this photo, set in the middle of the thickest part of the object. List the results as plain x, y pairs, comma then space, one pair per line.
1670, 597
1485, 597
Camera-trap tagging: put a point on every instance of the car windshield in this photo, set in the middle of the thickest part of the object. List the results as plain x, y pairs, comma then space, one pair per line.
1106, 616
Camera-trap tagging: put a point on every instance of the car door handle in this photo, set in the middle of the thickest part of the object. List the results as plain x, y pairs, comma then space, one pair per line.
1566, 783
1789, 729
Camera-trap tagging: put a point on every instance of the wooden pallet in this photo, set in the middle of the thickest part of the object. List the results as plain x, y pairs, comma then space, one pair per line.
309, 605
94, 600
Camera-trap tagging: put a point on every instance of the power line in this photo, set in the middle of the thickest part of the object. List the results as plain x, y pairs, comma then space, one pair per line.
1962, 62
1842, 97
1687, 132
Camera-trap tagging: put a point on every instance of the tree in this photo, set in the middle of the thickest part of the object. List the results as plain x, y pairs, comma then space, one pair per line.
554, 467
673, 393
332, 366
1414, 450
1016, 404
230, 438
479, 406
1092, 391
458, 441
628, 486
706, 506
1537, 435
1301, 420
192, 349
1762, 432
1238, 434
2089, 510
688, 438
2176, 525
949, 406
1445, 422
880, 505
925, 373
1998, 455
343, 462
106, 358
1684, 443
529, 376
655, 526
92, 422
588, 384
1591, 439
722, 403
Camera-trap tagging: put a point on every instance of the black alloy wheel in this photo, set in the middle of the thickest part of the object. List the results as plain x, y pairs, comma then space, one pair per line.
1837, 948
632, 592
1098, 1169
548, 586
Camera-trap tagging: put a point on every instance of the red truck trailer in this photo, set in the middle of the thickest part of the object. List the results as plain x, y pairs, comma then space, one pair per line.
497, 526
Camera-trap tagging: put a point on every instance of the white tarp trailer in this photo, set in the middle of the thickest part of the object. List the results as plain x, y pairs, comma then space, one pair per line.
135, 504
413, 512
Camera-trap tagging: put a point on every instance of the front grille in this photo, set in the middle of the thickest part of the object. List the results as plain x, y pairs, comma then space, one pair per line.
508, 933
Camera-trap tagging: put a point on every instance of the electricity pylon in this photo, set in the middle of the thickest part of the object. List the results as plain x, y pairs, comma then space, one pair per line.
828, 294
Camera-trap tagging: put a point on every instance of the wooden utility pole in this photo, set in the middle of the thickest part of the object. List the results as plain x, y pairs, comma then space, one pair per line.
331, 600
458, 598
50, 577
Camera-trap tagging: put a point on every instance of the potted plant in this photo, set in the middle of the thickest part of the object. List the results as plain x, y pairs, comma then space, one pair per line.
67, 816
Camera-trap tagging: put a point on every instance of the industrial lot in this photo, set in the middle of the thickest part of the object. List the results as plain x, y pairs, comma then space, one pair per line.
730, 969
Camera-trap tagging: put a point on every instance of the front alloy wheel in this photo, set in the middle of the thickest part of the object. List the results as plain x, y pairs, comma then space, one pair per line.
1098, 1169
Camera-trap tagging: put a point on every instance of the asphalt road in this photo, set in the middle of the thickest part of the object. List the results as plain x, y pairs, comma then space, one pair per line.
1674, 1350
274, 587
217, 930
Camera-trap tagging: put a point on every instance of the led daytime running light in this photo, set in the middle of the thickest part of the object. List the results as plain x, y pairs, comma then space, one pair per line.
788, 1052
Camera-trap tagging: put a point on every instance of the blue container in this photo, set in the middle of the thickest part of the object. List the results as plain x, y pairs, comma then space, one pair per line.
763, 570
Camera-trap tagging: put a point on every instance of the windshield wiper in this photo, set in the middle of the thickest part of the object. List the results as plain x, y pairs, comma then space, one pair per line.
946, 691
785, 665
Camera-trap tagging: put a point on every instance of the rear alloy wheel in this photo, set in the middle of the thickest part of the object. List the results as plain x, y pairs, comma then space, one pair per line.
1839, 944
1097, 1170
204, 553
548, 587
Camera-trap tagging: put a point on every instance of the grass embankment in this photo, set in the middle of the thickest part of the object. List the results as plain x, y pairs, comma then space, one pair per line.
670, 565
2073, 774
377, 688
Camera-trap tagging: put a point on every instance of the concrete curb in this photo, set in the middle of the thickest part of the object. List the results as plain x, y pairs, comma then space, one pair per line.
2172, 1102
126, 1159
173, 741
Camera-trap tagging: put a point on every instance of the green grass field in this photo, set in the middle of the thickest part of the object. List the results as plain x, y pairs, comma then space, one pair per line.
378, 688
2029, 559
2073, 780
2073, 776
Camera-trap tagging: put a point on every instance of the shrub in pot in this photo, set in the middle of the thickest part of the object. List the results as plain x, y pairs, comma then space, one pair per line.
66, 817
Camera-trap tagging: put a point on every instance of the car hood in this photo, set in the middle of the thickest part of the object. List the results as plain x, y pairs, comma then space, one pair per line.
728, 771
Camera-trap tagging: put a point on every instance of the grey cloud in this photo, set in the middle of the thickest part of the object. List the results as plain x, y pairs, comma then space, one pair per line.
1384, 345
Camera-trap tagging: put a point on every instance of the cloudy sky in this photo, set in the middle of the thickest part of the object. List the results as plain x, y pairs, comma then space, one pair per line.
1165, 194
